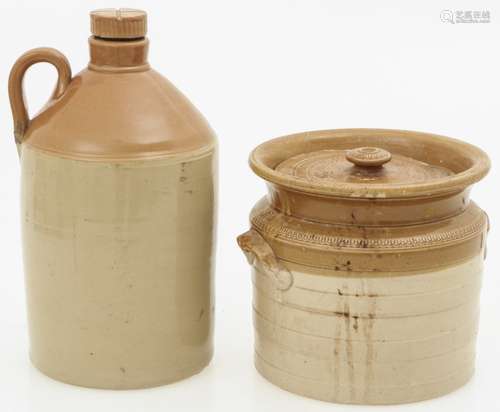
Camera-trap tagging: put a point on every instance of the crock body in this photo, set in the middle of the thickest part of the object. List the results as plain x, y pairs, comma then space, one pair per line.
365, 300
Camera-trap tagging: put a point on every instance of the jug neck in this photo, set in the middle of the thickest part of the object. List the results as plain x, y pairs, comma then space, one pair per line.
112, 55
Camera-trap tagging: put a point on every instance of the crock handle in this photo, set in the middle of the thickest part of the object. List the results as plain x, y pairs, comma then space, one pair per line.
261, 256
16, 92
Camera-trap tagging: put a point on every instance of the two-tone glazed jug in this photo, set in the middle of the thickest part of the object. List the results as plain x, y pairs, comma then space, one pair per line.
118, 203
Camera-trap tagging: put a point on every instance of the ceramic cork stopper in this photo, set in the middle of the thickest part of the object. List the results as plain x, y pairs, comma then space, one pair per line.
118, 23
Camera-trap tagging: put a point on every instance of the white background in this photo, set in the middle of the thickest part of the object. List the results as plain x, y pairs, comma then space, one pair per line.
257, 70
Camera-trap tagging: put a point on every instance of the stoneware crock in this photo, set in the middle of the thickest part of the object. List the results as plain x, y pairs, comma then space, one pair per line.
118, 201
367, 257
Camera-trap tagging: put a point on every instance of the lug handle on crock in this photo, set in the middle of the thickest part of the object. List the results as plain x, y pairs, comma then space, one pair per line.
260, 255
368, 156
16, 92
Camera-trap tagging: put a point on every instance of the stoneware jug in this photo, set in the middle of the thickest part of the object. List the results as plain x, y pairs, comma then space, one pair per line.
118, 202
367, 257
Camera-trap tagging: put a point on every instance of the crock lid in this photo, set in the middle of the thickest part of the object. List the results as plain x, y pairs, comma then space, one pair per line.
370, 163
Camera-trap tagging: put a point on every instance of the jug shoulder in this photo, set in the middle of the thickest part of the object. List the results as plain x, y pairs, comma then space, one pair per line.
120, 115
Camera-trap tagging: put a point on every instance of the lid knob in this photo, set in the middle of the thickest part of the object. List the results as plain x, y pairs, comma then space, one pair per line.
118, 23
368, 156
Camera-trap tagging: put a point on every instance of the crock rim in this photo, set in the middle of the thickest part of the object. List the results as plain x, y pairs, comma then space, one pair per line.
263, 162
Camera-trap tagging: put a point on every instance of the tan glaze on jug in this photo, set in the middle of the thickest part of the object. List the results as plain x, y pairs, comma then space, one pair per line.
118, 204
367, 257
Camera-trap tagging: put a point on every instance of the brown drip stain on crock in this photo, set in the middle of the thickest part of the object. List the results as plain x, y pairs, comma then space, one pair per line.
368, 323
348, 348
337, 333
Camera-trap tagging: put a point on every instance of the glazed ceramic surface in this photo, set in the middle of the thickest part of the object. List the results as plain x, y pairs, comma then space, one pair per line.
118, 205
367, 257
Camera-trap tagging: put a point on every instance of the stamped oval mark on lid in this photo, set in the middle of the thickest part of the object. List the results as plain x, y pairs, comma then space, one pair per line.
370, 163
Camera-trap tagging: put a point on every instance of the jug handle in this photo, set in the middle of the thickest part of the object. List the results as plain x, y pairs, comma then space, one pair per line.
260, 255
16, 92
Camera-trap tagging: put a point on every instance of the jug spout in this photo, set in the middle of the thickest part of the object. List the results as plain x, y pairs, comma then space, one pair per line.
108, 55
118, 42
